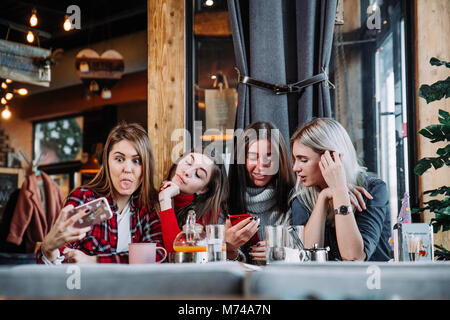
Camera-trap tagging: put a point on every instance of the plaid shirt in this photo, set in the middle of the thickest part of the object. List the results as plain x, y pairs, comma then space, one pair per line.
102, 239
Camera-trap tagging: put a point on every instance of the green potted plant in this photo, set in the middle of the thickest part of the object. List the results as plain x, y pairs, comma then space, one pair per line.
436, 133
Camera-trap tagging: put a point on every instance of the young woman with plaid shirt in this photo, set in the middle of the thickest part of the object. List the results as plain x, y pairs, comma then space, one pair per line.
126, 180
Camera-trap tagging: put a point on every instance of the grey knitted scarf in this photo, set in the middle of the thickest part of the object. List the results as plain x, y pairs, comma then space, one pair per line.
261, 203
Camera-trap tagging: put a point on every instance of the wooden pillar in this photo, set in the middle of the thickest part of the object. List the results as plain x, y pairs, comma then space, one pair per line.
432, 25
166, 78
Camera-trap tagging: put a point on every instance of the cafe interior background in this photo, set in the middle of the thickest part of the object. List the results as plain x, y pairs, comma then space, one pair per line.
170, 64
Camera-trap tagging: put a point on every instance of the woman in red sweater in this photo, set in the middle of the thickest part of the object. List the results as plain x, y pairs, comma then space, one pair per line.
198, 182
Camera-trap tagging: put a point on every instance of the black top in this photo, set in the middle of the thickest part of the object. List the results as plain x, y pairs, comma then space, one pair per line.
373, 223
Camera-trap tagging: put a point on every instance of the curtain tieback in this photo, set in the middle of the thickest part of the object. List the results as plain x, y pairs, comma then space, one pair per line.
286, 88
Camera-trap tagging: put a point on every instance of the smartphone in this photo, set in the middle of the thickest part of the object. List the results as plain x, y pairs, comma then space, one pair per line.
97, 211
234, 219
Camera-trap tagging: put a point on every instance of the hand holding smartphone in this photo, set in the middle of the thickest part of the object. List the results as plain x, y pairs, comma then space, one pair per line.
235, 219
97, 211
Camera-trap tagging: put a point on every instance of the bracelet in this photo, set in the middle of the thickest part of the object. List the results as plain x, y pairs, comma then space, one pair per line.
59, 259
237, 256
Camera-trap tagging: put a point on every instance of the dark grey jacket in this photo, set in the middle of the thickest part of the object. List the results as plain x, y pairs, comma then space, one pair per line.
373, 223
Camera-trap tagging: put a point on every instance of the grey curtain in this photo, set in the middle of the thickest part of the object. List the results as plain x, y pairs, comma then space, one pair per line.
282, 42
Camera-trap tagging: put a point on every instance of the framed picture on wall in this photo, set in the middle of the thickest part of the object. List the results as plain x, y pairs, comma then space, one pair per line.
58, 141
63, 181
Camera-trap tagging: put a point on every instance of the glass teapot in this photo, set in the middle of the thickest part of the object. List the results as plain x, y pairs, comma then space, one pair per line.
192, 238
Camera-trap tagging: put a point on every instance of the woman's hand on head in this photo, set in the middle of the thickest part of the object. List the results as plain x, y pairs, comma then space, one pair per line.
167, 191
332, 170
238, 235
77, 256
63, 232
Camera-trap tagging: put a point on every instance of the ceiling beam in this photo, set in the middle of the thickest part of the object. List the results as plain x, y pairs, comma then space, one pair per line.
39, 7
123, 15
25, 29
71, 100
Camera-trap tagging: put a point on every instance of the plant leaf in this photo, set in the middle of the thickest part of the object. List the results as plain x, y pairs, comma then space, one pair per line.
445, 211
436, 91
434, 132
444, 152
436, 227
442, 190
417, 210
437, 163
422, 166
436, 62
445, 120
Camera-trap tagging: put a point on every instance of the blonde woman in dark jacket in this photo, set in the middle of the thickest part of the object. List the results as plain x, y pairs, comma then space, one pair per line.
339, 204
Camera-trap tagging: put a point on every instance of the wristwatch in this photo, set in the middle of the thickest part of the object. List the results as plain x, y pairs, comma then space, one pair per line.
344, 210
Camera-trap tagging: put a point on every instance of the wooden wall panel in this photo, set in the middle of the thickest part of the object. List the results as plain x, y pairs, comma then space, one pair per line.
432, 40
70, 100
166, 78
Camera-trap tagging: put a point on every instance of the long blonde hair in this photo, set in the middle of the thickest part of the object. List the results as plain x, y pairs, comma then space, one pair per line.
324, 134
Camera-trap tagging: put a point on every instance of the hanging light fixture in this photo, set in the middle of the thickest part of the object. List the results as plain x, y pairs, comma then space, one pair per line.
30, 37
8, 81
93, 86
6, 114
106, 93
3, 101
67, 25
209, 3
4, 85
9, 96
21, 91
34, 19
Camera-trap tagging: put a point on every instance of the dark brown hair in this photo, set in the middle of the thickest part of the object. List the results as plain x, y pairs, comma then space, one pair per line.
213, 200
283, 180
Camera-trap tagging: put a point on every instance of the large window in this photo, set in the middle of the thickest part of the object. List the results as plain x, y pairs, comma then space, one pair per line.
370, 99
214, 76
368, 67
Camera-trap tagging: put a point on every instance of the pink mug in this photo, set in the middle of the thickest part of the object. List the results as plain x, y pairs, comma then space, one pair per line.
144, 252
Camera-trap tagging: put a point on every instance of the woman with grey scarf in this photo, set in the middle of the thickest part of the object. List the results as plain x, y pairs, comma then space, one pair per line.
260, 180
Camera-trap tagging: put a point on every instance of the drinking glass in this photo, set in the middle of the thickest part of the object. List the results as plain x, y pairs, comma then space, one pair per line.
275, 242
215, 236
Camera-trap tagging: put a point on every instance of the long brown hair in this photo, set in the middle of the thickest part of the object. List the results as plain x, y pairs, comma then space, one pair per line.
214, 200
282, 181
137, 136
